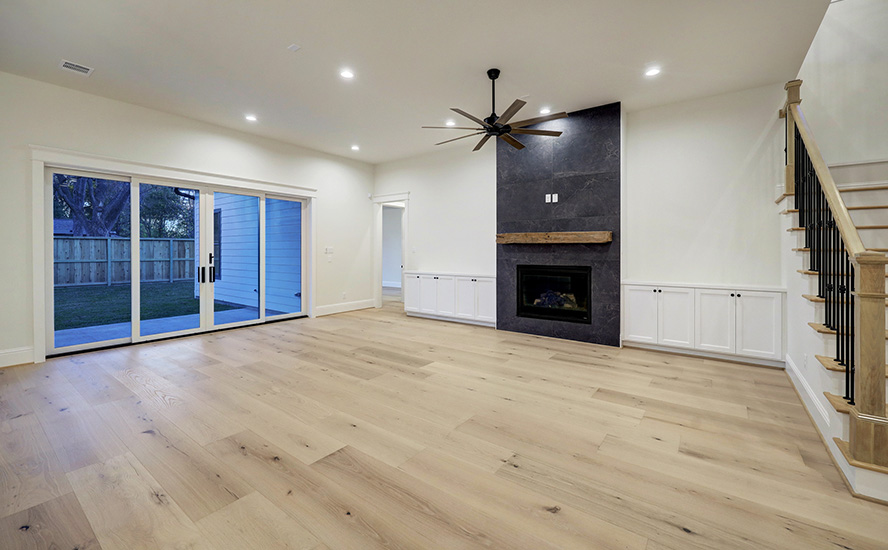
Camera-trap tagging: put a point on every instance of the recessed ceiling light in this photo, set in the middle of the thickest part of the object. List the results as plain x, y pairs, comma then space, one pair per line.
251, 118
652, 71
450, 123
545, 111
347, 74
355, 148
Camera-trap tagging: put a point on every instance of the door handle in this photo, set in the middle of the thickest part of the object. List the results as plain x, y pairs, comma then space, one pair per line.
212, 274
202, 275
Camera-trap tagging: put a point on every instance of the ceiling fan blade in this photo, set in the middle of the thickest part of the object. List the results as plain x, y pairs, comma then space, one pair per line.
536, 132
481, 143
452, 128
460, 137
510, 112
512, 141
470, 117
537, 120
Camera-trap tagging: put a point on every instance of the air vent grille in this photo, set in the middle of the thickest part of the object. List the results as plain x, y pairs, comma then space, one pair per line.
75, 67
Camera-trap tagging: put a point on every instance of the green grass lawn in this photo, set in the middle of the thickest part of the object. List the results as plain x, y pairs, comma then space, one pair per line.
88, 306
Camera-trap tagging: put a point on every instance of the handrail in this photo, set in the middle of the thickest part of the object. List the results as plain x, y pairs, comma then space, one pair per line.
846, 226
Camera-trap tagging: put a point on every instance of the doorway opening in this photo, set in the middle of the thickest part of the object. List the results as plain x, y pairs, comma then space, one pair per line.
392, 253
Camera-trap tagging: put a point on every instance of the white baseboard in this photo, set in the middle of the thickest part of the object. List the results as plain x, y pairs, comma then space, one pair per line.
705, 354
391, 284
451, 319
809, 398
343, 307
16, 356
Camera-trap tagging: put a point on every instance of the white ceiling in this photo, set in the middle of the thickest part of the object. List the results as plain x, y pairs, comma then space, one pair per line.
215, 60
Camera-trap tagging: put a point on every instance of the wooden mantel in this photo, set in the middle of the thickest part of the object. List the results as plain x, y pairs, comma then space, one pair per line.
556, 237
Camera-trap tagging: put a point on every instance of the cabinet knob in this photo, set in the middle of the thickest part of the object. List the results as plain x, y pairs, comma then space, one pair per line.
732, 295
655, 290
659, 290
738, 295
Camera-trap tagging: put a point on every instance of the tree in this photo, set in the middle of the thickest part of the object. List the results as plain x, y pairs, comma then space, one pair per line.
166, 212
94, 204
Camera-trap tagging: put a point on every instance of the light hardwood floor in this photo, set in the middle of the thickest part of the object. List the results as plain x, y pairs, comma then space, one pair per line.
372, 430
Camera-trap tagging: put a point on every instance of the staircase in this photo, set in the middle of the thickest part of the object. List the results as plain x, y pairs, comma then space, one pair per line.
841, 237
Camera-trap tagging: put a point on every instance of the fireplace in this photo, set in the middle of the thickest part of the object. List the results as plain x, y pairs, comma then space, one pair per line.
559, 293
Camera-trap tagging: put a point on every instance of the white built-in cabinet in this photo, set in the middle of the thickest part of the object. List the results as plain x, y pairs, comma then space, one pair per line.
466, 298
726, 321
659, 315
742, 322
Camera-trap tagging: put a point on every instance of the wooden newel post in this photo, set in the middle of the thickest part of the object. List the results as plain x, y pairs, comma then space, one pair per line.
869, 425
792, 97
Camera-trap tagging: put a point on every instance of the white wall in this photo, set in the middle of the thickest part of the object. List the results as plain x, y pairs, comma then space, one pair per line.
845, 83
391, 246
37, 113
699, 190
452, 213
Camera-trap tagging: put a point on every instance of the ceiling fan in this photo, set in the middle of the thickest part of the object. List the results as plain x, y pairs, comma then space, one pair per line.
499, 126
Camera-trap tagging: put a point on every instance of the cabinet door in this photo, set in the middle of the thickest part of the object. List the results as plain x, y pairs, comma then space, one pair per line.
485, 295
760, 324
446, 296
715, 320
428, 294
465, 297
640, 321
676, 317
411, 292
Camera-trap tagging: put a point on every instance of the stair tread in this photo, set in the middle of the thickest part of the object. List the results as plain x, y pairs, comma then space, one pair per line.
868, 207
872, 226
809, 272
864, 188
838, 402
817, 299
845, 447
796, 229
830, 364
823, 329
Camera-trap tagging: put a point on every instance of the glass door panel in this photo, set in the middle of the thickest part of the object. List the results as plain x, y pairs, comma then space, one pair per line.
235, 262
283, 257
91, 260
169, 292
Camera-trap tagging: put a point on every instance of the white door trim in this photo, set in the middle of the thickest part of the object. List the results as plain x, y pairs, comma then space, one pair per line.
378, 202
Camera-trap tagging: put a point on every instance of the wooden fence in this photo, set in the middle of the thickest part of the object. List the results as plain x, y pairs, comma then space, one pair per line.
106, 260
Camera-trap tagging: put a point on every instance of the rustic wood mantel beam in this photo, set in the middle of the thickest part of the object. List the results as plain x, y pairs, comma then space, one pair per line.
556, 237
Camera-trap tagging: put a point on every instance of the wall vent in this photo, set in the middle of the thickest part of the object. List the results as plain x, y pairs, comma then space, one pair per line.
75, 67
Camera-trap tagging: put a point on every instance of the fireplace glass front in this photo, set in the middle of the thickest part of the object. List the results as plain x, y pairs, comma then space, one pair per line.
560, 293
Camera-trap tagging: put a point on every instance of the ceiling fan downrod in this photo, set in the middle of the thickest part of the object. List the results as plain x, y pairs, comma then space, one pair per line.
492, 74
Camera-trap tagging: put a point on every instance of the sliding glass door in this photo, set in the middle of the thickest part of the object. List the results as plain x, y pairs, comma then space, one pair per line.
90, 296
169, 237
179, 260
283, 257
235, 260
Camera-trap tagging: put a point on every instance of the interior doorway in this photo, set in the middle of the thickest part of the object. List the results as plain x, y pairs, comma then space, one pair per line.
392, 251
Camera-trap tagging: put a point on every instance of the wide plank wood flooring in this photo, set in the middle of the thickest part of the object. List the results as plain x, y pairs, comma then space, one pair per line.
371, 430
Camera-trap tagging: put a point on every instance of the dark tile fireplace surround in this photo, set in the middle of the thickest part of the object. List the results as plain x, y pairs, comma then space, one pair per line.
583, 168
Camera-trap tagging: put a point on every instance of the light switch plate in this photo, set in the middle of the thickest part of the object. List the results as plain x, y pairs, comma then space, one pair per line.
548, 197
554, 197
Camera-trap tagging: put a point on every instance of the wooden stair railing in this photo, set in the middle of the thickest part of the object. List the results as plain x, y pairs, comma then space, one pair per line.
851, 281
